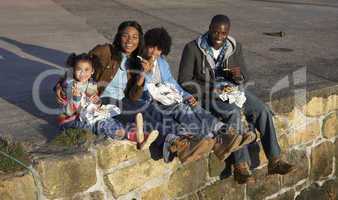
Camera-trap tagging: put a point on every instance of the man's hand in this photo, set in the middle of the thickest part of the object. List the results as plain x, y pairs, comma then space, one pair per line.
192, 101
60, 94
235, 72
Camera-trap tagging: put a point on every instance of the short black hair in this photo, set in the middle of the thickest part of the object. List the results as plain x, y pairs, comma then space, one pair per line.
158, 37
118, 36
220, 19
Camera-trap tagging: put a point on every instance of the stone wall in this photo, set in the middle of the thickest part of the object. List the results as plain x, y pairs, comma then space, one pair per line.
307, 133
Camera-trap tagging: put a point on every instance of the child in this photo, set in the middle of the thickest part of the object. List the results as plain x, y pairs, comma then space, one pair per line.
82, 107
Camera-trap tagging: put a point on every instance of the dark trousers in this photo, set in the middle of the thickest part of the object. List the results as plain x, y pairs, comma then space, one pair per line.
259, 117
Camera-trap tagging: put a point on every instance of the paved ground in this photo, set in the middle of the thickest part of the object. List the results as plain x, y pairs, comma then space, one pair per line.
37, 35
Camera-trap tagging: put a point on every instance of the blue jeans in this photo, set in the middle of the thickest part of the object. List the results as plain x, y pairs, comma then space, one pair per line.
259, 117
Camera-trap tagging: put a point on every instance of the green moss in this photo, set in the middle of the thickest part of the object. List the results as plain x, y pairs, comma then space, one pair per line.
15, 151
73, 137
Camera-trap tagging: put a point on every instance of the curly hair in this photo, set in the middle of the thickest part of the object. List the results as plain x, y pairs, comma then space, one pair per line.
160, 38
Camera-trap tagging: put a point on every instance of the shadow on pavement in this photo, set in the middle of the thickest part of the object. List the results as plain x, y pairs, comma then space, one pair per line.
18, 75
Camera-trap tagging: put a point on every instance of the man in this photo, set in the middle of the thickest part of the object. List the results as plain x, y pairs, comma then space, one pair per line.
213, 62
176, 104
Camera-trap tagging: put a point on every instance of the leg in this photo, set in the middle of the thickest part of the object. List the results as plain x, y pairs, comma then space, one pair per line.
260, 117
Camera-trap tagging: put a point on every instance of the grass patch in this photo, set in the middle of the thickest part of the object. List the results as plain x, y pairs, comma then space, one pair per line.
74, 138
16, 151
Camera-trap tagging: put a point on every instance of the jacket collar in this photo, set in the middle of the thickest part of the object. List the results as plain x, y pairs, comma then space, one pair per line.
230, 42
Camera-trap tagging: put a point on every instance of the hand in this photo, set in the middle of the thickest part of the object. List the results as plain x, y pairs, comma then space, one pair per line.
95, 99
217, 91
235, 72
192, 101
60, 94
148, 64
75, 90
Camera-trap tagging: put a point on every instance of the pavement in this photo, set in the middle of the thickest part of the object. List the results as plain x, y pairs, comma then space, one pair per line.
37, 35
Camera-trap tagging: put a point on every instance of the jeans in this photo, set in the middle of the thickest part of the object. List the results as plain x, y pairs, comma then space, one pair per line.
259, 117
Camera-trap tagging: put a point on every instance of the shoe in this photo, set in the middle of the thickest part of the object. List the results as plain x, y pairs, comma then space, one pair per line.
242, 174
189, 149
226, 144
139, 129
149, 139
279, 166
247, 138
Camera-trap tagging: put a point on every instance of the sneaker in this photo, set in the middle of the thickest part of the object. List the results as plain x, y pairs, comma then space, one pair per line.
243, 175
279, 166
226, 144
149, 139
189, 149
139, 129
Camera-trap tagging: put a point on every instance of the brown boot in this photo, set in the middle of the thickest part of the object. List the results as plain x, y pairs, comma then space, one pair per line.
279, 166
247, 138
226, 144
242, 174
189, 149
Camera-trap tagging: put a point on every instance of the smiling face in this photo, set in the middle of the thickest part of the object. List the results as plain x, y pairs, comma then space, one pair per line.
83, 71
129, 40
218, 33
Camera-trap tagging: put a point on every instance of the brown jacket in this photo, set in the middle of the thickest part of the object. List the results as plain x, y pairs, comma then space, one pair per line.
106, 63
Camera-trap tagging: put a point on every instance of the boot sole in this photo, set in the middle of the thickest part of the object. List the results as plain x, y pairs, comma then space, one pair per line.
232, 147
203, 147
151, 138
139, 129
245, 141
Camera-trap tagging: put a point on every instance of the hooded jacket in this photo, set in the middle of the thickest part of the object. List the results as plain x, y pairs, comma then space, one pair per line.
196, 73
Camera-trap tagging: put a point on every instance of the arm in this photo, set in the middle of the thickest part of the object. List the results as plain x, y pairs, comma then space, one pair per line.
135, 85
186, 75
238, 60
170, 79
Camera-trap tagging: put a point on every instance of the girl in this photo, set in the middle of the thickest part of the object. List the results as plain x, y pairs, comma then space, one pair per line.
82, 107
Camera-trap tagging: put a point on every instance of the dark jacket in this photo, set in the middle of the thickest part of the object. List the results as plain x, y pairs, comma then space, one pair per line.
196, 74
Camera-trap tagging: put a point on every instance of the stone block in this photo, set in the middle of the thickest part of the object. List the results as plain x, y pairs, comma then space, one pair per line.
154, 193
321, 160
288, 195
97, 195
332, 103
18, 188
129, 178
264, 186
215, 165
193, 196
330, 126
67, 175
283, 142
281, 124
336, 155
327, 192
315, 107
299, 158
111, 153
304, 134
223, 189
187, 178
